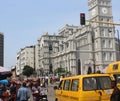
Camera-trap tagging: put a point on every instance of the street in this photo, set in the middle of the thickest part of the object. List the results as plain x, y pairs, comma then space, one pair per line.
51, 93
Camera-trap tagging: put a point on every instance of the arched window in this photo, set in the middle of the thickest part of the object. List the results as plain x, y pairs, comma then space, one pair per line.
89, 70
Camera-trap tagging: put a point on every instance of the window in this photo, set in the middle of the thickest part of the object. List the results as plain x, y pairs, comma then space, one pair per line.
109, 34
101, 19
110, 44
89, 83
96, 44
115, 67
103, 43
111, 56
62, 47
66, 84
50, 46
67, 45
97, 56
108, 20
96, 83
104, 56
75, 85
102, 32
109, 30
106, 84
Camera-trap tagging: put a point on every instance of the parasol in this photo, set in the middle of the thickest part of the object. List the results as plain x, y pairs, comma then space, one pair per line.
4, 73
4, 81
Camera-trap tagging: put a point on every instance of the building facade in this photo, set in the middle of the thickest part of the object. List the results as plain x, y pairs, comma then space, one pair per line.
1, 49
81, 49
48, 45
104, 34
25, 56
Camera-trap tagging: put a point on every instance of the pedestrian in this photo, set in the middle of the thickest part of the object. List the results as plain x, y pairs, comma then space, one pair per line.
116, 94
23, 93
5, 92
35, 92
13, 91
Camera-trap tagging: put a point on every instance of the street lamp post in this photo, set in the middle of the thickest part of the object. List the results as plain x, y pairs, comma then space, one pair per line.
69, 63
79, 67
118, 40
94, 65
93, 47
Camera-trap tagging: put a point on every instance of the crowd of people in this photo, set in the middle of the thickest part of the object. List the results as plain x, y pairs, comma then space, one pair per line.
21, 90
8, 92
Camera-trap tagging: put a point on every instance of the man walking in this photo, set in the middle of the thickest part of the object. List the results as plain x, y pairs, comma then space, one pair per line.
23, 93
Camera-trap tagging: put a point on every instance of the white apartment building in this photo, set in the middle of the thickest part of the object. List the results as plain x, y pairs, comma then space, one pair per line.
80, 49
25, 56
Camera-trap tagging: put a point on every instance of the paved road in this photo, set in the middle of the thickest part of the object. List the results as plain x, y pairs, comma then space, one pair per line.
51, 93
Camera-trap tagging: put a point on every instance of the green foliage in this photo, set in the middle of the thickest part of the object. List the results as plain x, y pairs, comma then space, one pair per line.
62, 71
27, 71
59, 70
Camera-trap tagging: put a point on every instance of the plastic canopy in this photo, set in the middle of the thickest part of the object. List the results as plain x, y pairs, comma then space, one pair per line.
5, 81
4, 73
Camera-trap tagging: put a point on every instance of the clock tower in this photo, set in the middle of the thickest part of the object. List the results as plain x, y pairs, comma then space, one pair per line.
104, 34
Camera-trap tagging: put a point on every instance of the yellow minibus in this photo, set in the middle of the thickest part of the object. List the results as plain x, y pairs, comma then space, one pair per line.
91, 87
113, 70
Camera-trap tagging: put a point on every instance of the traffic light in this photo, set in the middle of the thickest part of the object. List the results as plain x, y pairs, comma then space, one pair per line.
82, 18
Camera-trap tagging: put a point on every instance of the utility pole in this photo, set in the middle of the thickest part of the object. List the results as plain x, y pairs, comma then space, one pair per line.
93, 49
118, 40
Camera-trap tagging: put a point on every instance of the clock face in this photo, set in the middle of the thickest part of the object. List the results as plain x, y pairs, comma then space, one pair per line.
104, 10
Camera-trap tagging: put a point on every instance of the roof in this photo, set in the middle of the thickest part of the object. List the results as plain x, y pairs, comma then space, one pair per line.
87, 75
113, 67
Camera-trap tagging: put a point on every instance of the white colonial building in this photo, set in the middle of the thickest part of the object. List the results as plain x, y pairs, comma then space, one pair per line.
76, 49
80, 49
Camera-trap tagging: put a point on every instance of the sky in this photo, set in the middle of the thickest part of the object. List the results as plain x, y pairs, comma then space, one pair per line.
24, 21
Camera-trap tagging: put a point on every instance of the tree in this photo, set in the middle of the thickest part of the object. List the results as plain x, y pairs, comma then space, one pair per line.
60, 71
27, 71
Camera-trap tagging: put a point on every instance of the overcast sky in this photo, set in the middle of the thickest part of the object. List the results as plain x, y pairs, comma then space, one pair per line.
23, 21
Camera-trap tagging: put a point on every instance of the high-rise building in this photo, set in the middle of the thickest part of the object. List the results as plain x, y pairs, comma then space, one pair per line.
1, 49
